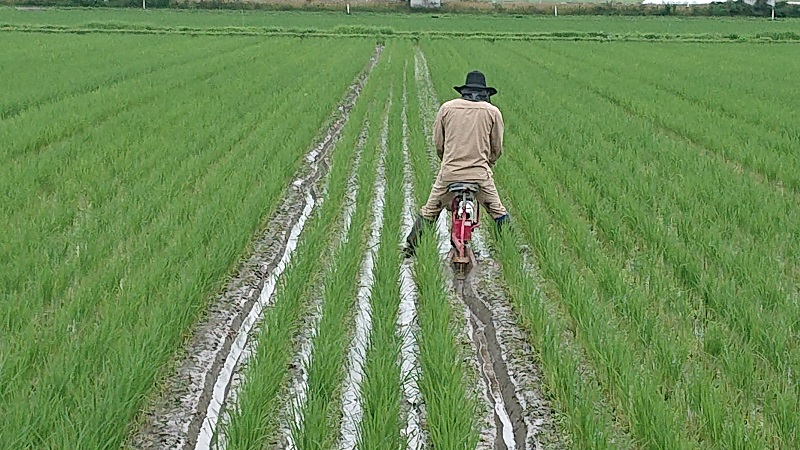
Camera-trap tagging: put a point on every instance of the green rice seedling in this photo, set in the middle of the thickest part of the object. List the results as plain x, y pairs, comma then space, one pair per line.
570, 288
451, 406
129, 232
572, 386
74, 67
418, 140
451, 411
254, 418
709, 239
662, 214
572, 232
607, 174
381, 387
605, 178
320, 414
180, 180
38, 130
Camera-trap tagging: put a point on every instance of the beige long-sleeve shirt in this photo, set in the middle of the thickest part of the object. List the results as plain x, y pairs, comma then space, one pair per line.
469, 139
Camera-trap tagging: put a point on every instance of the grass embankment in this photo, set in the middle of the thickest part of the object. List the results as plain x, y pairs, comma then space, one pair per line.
398, 22
382, 33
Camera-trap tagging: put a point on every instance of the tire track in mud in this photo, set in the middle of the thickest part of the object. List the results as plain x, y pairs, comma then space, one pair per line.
510, 381
186, 413
500, 389
241, 348
352, 411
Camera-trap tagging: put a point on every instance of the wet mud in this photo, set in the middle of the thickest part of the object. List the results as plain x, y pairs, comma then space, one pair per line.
512, 362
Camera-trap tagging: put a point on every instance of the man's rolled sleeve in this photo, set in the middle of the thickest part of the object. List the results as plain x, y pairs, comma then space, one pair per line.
496, 138
438, 133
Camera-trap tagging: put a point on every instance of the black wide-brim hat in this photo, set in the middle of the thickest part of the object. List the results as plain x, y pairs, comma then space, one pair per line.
476, 80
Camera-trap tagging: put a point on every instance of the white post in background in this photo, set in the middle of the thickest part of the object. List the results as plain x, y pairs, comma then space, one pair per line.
773, 12
555, 10
348, 9
144, 5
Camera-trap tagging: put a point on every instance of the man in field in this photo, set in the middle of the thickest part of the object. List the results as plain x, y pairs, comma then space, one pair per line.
468, 135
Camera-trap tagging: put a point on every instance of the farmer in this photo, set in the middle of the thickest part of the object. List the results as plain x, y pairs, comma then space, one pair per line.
468, 135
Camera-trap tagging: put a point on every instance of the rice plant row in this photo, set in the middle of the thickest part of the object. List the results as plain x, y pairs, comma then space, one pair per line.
124, 209
673, 268
652, 260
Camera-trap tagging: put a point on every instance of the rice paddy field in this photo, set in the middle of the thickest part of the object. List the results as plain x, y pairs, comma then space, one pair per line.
202, 221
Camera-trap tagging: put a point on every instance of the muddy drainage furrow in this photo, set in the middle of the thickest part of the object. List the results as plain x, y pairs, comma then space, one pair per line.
406, 320
501, 388
488, 437
221, 384
298, 389
185, 413
352, 411
318, 159
517, 353
510, 429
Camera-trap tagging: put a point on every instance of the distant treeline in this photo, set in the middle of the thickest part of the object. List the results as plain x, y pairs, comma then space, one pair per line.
720, 9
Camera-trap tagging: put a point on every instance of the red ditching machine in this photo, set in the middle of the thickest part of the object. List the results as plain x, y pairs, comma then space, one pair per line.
465, 218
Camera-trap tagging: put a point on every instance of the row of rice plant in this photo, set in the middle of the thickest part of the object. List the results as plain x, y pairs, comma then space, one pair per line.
254, 420
119, 229
446, 383
664, 256
380, 388
736, 113
376, 412
41, 123
773, 111
43, 68
729, 243
321, 413
570, 381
